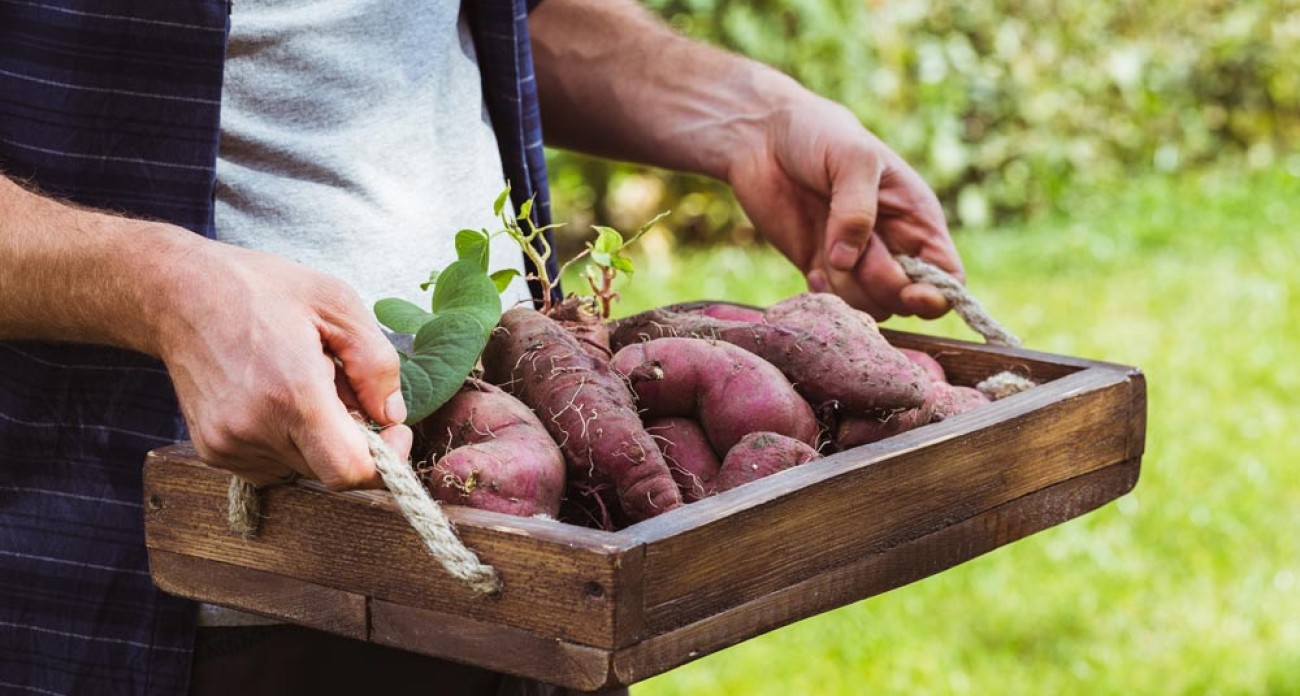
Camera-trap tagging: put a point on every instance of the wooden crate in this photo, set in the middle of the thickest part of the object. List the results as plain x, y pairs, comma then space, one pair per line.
588, 609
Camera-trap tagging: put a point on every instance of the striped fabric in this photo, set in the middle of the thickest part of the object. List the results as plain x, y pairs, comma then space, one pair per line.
114, 104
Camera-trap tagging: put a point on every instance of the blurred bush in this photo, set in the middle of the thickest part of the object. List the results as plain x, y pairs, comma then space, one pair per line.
1001, 104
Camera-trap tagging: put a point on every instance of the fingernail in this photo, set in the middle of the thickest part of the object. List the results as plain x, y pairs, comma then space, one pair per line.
395, 408
844, 256
817, 282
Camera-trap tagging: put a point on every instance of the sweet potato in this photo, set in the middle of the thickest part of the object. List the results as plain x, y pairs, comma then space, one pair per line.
720, 310
943, 401
823, 346
860, 430
761, 454
585, 407
582, 319
691, 458
931, 366
489, 451
730, 391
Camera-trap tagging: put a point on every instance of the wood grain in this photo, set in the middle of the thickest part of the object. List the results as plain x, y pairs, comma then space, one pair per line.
876, 573
267, 594
340, 541
489, 645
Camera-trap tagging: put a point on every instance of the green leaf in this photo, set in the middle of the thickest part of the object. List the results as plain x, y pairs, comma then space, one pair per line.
608, 240
503, 277
433, 278
622, 263
400, 316
446, 350
526, 209
601, 258
464, 287
417, 390
472, 245
500, 203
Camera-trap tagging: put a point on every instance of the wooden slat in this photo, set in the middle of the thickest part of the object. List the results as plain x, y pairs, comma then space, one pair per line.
489, 645
268, 594
350, 543
725, 551
878, 572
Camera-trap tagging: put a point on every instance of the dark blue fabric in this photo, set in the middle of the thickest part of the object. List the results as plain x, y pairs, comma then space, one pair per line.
505, 58
115, 104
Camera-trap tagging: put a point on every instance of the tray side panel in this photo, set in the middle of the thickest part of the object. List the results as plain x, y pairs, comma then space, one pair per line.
268, 594
877, 572
341, 542
490, 646
977, 462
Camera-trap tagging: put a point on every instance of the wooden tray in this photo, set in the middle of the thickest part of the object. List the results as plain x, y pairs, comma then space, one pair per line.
588, 609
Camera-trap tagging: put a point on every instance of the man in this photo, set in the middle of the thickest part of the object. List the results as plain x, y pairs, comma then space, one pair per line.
116, 106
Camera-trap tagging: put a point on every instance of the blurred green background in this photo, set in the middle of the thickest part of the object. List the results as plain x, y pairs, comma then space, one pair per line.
1124, 183
1005, 106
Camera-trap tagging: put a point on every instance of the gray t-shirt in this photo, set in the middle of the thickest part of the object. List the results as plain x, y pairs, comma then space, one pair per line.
355, 141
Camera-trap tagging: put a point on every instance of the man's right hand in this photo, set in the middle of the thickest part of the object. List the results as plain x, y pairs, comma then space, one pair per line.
250, 339
251, 344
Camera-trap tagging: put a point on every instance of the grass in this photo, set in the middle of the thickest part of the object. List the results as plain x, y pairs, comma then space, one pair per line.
1190, 584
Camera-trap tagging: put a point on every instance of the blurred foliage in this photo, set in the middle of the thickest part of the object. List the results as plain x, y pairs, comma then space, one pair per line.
1002, 105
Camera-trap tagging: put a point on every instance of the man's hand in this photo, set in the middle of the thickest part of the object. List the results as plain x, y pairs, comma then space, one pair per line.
251, 346
839, 204
250, 339
614, 81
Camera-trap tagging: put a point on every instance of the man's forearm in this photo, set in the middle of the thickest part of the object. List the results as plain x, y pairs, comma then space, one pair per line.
71, 274
616, 82
250, 339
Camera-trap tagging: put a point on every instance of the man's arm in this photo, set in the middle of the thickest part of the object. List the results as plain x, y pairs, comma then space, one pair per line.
248, 338
616, 82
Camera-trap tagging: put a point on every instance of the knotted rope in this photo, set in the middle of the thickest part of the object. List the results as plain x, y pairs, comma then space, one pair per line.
425, 516
998, 386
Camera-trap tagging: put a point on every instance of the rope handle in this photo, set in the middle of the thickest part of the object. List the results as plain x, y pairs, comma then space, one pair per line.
425, 516
1002, 384
962, 301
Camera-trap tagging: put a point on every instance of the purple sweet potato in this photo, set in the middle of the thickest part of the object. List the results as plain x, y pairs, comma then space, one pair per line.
582, 319
860, 430
720, 310
828, 351
489, 451
730, 391
585, 407
931, 366
943, 401
761, 454
691, 458
947, 400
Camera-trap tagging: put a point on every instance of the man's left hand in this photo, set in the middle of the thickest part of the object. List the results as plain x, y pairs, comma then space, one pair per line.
839, 203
